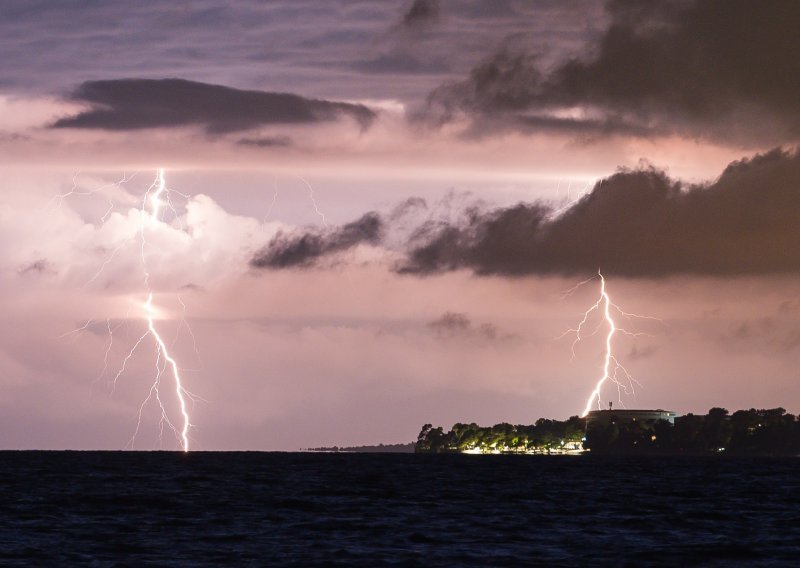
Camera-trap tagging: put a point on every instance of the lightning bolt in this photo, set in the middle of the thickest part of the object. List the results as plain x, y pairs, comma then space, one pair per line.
613, 371
179, 390
156, 197
274, 199
567, 203
153, 198
313, 199
75, 190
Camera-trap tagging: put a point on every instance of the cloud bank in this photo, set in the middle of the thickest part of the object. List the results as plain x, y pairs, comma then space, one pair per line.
636, 223
717, 69
133, 104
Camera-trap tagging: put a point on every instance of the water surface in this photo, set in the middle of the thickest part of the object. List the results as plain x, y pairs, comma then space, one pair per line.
284, 509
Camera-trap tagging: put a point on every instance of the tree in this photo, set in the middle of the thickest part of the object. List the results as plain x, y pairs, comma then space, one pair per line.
717, 429
602, 436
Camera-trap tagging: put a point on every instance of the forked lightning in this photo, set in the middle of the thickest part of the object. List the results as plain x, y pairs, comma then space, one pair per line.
155, 198
613, 370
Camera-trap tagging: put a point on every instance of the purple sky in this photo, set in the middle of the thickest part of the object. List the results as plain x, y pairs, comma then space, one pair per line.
377, 208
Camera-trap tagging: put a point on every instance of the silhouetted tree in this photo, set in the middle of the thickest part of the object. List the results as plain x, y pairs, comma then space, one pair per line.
766, 431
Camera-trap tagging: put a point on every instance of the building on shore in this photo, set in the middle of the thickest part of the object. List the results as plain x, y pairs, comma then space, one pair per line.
624, 415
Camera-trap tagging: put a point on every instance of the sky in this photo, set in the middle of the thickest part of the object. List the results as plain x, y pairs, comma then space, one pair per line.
375, 215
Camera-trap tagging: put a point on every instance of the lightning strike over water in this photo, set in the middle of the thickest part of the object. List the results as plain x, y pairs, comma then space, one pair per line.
155, 198
179, 390
613, 371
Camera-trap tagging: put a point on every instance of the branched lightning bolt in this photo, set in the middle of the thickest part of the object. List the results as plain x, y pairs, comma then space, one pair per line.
179, 390
314, 201
570, 201
75, 190
155, 198
613, 370
77, 330
311, 197
184, 323
274, 199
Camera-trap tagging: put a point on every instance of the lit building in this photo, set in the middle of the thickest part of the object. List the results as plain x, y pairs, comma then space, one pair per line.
623, 415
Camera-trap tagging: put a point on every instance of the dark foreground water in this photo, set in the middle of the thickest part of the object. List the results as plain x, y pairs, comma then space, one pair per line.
270, 509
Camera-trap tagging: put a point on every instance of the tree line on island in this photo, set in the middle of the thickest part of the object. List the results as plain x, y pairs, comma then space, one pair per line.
745, 432
545, 437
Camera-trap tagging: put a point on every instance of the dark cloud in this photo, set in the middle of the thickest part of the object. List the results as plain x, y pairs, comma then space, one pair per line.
266, 142
718, 69
132, 104
421, 12
505, 83
408, 207
306, 248
636, 223
410, 47
457, 324
290, 251
41, 266
297, 46
450, 323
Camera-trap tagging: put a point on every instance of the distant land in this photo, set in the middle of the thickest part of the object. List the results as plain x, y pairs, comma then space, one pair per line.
379, 449
766, 432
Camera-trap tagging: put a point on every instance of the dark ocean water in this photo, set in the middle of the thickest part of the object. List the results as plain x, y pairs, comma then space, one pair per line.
273, 509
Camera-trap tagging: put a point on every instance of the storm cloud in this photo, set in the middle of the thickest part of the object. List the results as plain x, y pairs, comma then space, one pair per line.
725, 70
133, 104
638, 223
304, 249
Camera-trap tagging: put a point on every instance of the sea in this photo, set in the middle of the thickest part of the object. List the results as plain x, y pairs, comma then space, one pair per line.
337, 509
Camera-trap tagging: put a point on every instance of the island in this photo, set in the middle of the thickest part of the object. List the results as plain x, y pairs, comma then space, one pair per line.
745, 432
